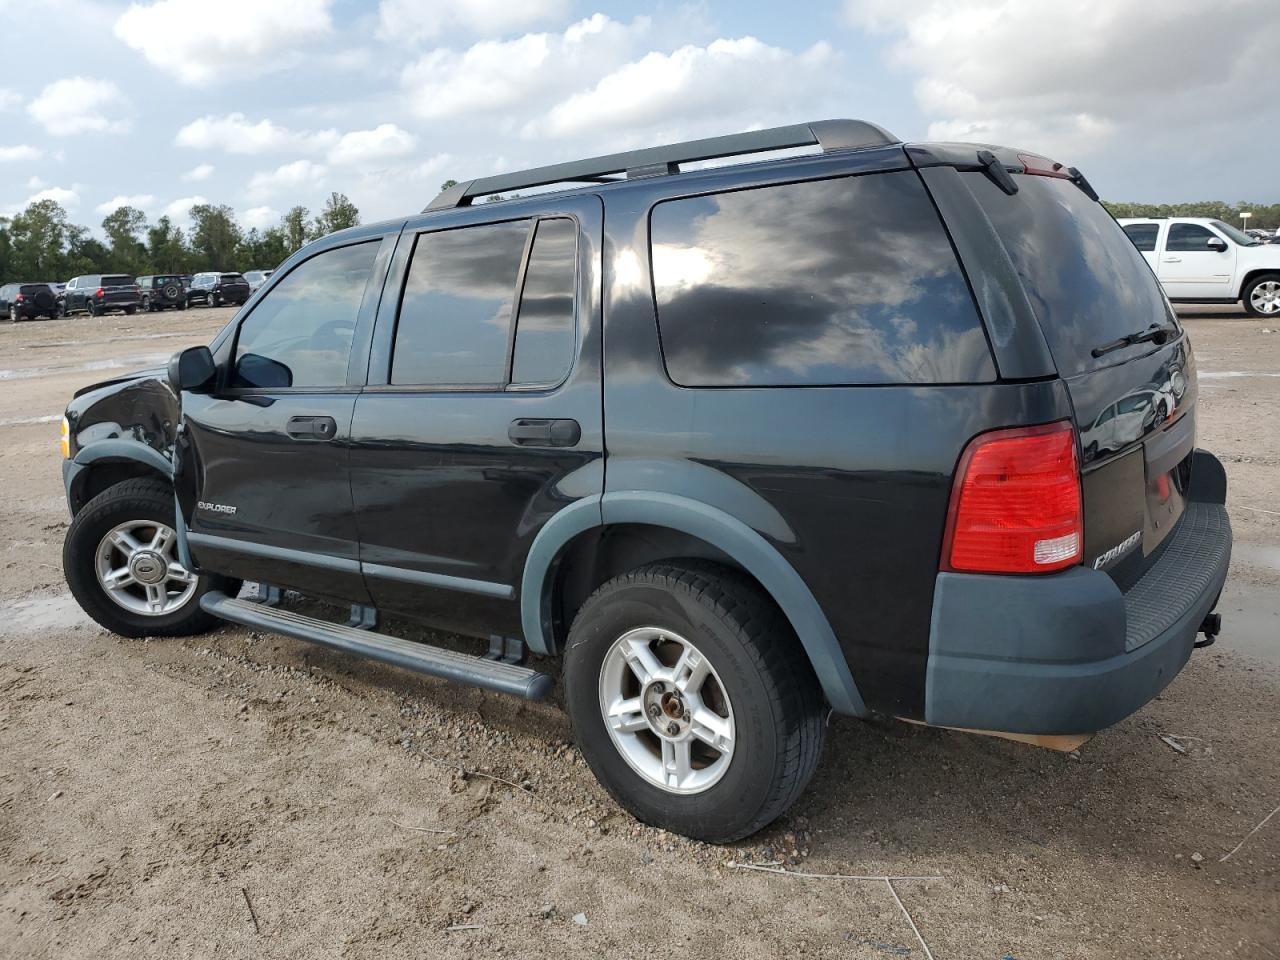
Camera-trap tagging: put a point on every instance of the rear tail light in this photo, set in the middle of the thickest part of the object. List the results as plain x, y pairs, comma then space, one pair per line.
19, 298
1016, 503
100, 293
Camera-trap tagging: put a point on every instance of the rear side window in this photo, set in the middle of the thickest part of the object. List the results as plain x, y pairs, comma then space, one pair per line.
1188, 238
546, 328
1143, 235
846, 281
455, 317
1087, 282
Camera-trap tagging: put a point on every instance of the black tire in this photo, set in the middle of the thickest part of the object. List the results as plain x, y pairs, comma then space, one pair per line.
90, 308
214, 301
182, 305
777, 704
130, 311
129, 500
1247, 296
147, 306
13, 314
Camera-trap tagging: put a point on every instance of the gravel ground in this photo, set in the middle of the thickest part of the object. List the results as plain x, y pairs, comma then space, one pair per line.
241, 794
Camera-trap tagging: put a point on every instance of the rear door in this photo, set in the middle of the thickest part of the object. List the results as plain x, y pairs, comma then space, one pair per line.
263, 463
1134, 405
482, 417
1189, 269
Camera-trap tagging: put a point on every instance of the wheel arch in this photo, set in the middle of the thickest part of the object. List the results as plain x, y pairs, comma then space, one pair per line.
107, 462
1254, 274
687, 527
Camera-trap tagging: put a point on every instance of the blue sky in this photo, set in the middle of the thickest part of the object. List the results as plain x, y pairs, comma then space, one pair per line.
263, 104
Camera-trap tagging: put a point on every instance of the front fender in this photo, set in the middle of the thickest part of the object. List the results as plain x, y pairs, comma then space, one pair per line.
727, 533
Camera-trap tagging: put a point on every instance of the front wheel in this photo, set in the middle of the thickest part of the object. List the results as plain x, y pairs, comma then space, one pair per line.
120, 560
1262, 296
692, 701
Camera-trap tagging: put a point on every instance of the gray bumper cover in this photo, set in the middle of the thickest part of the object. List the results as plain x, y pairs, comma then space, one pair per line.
1069, 653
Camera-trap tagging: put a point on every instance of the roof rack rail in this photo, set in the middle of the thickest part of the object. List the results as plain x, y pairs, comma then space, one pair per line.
660, 161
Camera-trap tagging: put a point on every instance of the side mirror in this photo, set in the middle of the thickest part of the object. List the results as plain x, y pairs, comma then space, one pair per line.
1216, 243
191, 369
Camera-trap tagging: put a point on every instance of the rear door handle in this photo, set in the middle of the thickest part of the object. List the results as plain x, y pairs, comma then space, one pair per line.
544, 433
312, 428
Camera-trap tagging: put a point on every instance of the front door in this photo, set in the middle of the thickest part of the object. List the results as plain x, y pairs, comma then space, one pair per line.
263, 476
1190, 270
482, 417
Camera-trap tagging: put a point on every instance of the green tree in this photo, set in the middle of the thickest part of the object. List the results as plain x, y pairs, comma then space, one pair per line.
339, 213
167, 248
124, 228
6, 249
447, 184
38, 239
294, 227
85, 254
263, 250
215, 236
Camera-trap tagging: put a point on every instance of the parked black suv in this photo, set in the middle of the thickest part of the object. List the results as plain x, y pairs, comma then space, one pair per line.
215, 289
27, 301
98, 293
847, 401
162, 292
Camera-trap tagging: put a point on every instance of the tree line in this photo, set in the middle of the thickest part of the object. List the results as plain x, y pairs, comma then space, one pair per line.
1266, 216
42, 244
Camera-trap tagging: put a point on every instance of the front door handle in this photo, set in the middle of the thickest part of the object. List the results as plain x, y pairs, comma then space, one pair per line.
544, 433
312, 428
1172, 259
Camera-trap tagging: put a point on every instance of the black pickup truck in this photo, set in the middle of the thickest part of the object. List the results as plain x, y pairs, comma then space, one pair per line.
98, 293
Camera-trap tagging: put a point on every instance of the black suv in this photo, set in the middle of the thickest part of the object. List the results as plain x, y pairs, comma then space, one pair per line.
738, 445
163, 292
215, 289
27, 301
100, 293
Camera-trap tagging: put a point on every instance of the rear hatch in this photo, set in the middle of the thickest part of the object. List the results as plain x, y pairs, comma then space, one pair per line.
1134, 401
120, 289
234, 285
38, 295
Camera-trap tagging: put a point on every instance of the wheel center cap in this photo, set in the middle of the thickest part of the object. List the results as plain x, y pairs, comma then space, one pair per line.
148, 567
665, 710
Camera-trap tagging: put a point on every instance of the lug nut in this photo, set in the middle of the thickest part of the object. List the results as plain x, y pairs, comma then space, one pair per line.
673, 728
654, 710
659, 687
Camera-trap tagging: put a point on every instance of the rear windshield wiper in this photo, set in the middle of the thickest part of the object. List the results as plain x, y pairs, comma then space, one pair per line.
1156, 332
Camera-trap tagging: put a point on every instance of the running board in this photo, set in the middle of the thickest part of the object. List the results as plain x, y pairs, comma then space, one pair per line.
436, 661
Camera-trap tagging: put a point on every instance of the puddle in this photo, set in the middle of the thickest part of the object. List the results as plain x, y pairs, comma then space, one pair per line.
1257, 555
1250, 621
40, 613
19, 421
150, 359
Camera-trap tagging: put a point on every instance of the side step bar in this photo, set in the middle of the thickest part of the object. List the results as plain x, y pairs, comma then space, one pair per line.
438, 662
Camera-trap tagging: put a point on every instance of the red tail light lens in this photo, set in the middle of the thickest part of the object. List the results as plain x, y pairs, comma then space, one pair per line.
20, 298
100, 293
1016, 504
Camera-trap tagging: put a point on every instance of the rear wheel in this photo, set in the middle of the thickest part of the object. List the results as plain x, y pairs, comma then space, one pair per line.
90, 308
1262, 296
13, 314
130, 310
214, 300
691, 700
120, 560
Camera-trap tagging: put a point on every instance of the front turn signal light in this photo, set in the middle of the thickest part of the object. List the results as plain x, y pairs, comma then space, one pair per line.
65, 442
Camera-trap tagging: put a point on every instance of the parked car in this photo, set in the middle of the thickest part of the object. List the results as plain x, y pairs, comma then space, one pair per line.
98, 293
257, 278
1200, 260
216, 289
739, 446
162, 292
27, 301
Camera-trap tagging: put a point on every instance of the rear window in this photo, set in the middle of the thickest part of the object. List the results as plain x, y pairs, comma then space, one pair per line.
117, 281
232, 278
844, 281
1087, 281
33, 288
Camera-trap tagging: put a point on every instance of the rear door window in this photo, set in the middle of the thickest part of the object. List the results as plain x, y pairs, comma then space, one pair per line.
844, 281
1087, 282
1143, 235
546, 328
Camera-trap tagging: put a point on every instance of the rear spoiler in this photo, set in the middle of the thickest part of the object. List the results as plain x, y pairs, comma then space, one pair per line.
998, 163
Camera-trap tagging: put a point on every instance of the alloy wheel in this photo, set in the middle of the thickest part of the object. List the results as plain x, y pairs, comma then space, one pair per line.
137, 568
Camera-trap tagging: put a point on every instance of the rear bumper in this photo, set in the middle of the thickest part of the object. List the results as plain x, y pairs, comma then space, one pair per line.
1069, 653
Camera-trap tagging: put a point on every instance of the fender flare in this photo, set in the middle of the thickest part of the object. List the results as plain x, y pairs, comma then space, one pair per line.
120, 448
695, 518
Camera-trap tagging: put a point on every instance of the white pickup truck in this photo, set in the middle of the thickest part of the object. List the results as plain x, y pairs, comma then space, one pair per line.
1199, 260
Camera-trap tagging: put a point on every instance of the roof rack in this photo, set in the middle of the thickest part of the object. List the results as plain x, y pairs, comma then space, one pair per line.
661, 161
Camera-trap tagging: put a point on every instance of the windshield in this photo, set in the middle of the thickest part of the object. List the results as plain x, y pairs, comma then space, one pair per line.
1239, 236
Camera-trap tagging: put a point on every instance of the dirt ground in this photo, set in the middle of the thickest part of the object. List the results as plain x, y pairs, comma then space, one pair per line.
245, 795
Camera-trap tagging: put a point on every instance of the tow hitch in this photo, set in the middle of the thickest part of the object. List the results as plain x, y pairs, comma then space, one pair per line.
1210, 626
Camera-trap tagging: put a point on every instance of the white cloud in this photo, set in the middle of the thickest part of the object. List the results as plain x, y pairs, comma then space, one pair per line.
202, 172
408, 21
299, 175
36, 183
260, 218
142, 201
67, 198
19, 153
79, 105
180, 210
200, 42
362, 147
235, 134
495, 75
9, 100
1065, 79
694, 84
